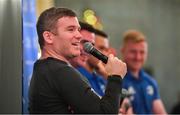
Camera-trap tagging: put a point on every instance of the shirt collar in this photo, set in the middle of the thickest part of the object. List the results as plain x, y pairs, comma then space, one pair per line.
130, 75
85, 72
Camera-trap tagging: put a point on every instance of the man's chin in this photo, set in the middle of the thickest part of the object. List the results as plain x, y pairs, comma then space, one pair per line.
75, 55
137, 68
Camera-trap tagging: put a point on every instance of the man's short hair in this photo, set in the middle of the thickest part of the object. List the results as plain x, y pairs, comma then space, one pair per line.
86, 26
48, 19
101, 33
133, 36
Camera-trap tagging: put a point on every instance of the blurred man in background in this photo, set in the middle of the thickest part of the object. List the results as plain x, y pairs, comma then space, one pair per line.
102, 44
145, 95
86, 63
92, 68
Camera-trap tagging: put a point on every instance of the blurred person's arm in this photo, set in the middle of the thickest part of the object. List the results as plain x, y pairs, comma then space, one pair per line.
100, 69
158, 107
157, 104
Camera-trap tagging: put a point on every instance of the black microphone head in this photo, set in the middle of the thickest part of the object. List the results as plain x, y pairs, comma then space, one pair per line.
88, 47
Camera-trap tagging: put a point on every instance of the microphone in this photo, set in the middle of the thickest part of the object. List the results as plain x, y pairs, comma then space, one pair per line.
89, 48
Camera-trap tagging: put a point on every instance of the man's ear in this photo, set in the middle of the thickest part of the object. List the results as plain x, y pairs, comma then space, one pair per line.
48, 37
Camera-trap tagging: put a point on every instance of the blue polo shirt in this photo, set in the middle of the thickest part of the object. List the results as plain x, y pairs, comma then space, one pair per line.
144, 91
97, 82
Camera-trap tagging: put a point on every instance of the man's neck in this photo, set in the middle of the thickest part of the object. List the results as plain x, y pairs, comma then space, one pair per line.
88, 68
135, 73
47, 52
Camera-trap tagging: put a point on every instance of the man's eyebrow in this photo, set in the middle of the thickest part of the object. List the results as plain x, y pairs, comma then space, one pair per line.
73, 26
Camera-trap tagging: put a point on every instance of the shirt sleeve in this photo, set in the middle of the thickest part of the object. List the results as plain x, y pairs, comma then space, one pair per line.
156, 90
76, 92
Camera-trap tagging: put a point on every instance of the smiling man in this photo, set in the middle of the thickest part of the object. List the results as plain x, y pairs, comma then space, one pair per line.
56, 87
145, 96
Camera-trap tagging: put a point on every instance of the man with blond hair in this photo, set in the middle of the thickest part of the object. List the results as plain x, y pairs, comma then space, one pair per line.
145, 97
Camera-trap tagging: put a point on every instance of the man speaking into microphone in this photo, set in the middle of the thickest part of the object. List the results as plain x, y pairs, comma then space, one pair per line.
56, 87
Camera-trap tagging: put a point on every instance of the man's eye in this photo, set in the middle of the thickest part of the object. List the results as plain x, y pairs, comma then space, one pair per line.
71, 29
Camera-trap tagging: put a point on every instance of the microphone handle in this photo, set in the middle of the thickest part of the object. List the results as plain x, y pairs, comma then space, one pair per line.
99, 55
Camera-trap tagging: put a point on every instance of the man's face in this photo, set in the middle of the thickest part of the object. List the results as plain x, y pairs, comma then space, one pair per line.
102, 44
66, 41
134, 54
82, 59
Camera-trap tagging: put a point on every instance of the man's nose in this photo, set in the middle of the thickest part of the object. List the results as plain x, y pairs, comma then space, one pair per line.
138, 56
78, 35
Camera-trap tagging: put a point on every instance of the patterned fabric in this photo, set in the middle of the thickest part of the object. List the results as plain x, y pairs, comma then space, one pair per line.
97, 82
144, 91
30, 46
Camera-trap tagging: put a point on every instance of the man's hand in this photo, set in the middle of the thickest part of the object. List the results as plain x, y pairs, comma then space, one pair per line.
115, 66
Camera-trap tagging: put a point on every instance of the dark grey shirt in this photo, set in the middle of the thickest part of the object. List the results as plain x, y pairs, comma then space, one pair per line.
56, 87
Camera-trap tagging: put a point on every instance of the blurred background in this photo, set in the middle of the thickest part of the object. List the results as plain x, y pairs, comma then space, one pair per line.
159, 20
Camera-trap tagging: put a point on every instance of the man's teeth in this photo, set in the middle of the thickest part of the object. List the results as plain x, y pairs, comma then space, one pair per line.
75, 44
